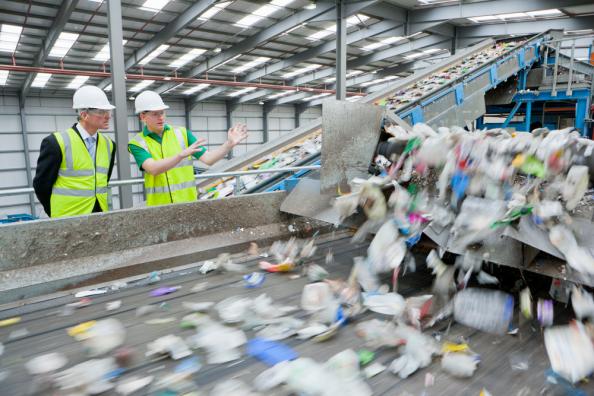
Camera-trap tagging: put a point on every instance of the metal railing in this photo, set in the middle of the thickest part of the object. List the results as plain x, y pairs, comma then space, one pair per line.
205, 175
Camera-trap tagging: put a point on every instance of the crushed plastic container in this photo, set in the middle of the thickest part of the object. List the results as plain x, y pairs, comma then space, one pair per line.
487, 310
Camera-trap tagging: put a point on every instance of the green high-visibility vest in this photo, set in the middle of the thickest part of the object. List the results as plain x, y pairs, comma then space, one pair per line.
178, 183
82, 180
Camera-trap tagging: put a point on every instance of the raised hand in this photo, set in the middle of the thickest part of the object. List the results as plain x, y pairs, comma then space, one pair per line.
236, 134
193, 148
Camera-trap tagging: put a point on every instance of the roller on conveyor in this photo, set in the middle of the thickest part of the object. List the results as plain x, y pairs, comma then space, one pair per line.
451, 92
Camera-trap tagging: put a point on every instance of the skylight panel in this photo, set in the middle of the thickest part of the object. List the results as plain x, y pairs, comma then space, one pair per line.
513, 15
352, 20
249, 65
3, 76
212, 11
104, 54
63, 44
187, 57
9, 37
349, 75
40, 80
162, 48
545, 13
414, 55
381, 43
141, 85
280, 94
195, 88
310, 98
484, 18
154, 5
241, 92
302, 70
77, 82
378, 81
262, 12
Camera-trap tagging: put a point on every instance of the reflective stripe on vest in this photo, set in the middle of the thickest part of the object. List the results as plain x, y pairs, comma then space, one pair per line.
178, 183
79, 193
69, 171
82, 180
172, 188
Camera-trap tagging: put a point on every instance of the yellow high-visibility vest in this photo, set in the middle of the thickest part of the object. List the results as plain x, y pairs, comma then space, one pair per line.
178, 183
82, 180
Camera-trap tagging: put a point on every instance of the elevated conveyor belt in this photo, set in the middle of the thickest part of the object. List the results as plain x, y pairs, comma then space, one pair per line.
450, 92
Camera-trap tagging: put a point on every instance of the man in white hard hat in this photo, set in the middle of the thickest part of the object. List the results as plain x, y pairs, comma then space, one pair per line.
165, 153
74, 166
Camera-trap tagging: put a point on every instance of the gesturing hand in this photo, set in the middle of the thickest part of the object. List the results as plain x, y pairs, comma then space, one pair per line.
193, 148
236, 134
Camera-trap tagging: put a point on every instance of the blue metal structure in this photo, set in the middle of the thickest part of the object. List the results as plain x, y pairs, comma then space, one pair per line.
290, 182
473, 85
582, 98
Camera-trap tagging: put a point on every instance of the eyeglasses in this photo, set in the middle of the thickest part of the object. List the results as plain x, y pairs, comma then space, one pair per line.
158, 113
99, 112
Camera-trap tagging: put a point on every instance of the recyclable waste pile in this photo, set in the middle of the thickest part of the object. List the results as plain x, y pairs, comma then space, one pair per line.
288, 156
436, 80
474, 185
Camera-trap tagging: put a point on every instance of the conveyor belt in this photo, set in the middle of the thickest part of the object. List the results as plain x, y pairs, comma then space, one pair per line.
456, 98
46, 332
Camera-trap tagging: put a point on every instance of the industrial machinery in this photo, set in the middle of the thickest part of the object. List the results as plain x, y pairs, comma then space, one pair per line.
455, 91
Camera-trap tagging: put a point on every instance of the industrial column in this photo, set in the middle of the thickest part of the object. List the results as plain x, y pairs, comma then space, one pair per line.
341, 53
118, 95
26, 153
229, 107
266, 109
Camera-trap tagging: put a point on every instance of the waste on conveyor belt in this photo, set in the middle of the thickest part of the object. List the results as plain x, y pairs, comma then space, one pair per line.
473, 184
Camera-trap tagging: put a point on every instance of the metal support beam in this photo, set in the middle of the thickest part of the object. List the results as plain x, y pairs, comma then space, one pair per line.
169, 31
454, 41
260, 37
60, 20
188, 114
384, 27
442, 28
581, 113
403, 69
528, 116
341, 50
299, 109
511, 114
525, 27
118, 93
290, 98
26, 153
569, 80
474, 9
229, 108
205, 95
374, 57
555, 70
266, 109
387, 11
252, 96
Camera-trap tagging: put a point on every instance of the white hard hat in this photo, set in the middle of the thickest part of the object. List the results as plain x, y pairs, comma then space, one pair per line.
149, 101
90, 97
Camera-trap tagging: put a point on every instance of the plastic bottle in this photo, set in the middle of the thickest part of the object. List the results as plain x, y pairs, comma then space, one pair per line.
487, 310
